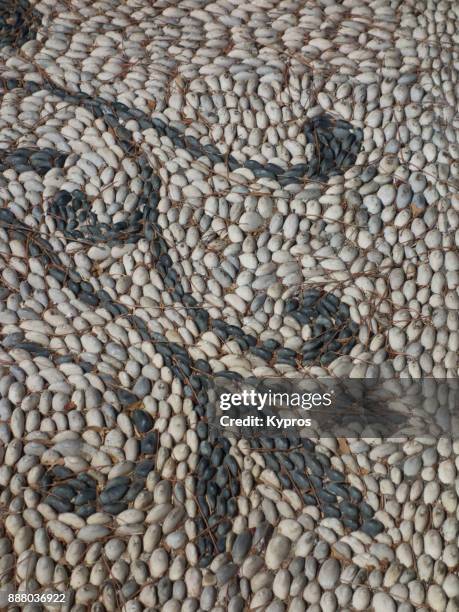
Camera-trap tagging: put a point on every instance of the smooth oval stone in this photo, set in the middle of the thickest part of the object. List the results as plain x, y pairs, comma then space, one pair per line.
232, 465
142, 420
329, 574
113, 493
226, 572
61, 472
241, 546
338, 489
301, 480
335, 475
114, 508
149, 444
63, 491
86, 510
313, 465
366, 510
372, 527
331, 511
58, 504
349, 510
135, 488
276, 552
354, 494
326, 496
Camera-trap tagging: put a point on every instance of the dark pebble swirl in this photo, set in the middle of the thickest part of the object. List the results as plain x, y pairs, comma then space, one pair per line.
298, 465
18, 23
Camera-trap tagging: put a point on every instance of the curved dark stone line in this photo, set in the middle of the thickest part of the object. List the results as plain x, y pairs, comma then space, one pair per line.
217, 486
336, 141
78, 493
28, 159
72, 216
18, 23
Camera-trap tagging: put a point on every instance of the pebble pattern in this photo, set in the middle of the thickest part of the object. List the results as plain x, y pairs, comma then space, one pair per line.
265, 189
28, 160
18, 23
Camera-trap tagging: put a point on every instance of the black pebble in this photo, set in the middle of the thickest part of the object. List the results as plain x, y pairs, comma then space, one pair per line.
372, 527
366, 510
113, 493
349, 510
325, 496
142, 420
149, 444
58, 504
331, 511
61, 472
350, 524
135, 488
217, 457
313, 465
86, 510
88, 479
114, 508
85, 497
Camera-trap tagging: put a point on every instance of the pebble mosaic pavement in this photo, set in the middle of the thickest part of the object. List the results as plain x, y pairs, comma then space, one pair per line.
192, 188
